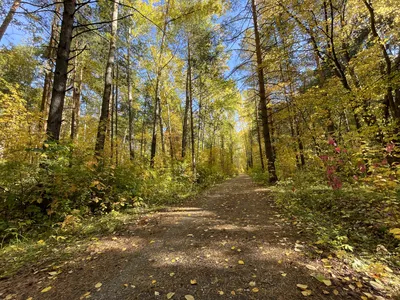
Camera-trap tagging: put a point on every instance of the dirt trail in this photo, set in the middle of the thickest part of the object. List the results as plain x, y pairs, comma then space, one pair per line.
229, 239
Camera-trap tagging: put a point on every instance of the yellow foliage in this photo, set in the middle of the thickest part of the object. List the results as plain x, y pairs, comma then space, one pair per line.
16, 122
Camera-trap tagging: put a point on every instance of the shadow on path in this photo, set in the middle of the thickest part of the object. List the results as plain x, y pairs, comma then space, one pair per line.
229, 239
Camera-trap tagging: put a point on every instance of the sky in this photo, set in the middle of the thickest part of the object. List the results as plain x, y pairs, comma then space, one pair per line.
19, 35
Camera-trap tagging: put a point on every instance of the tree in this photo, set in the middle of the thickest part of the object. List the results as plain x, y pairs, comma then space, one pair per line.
263, 98
9, 17
105, 106
61, 71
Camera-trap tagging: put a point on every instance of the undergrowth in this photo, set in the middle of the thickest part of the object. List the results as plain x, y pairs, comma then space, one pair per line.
356, 218
58, 198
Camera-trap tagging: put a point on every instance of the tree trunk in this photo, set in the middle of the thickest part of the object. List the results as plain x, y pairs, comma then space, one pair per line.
171, 145
259, 139
251, 162
160, 120
116, 93
9, 17
76, 99
112, 106
130, 100
48, 77
263, 100
192, 120
199, 117
394, 107
157, 101
105, 107
187, 104
61, 72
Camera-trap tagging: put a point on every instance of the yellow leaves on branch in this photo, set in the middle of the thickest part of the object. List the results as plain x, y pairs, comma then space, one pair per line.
15, 119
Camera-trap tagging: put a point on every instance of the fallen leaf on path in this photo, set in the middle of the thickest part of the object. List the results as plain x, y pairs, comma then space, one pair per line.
221, 293
327, 282
302, 286
45, 290
189, 297
193, 282
310, 267
154, 281
170, 295
172, 274
241, 262
321, 278
376, 285
54, 273
85, 295
369, 295
306, 293
255, 290
325, 292
252, 283
156, 293
336, 292
98, 285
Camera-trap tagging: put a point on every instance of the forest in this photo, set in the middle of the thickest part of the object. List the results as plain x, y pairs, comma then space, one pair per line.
111, 110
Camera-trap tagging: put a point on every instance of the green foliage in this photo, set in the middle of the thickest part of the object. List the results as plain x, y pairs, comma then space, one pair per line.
35, 197
354, 218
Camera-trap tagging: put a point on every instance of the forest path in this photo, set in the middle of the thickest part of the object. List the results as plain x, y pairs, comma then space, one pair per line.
230, 239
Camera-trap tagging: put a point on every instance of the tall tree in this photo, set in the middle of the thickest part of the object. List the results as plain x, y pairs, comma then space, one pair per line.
48, 69
9, 17
157, 99
263, 98
130, 98
108, 78
61, 71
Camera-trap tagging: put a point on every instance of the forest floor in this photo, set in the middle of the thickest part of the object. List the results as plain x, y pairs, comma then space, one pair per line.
229, 242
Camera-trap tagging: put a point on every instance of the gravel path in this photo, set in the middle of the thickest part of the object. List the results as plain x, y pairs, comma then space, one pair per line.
227, 243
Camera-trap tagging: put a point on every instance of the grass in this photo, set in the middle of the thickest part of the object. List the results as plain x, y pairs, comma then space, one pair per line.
356, 218
62, 241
